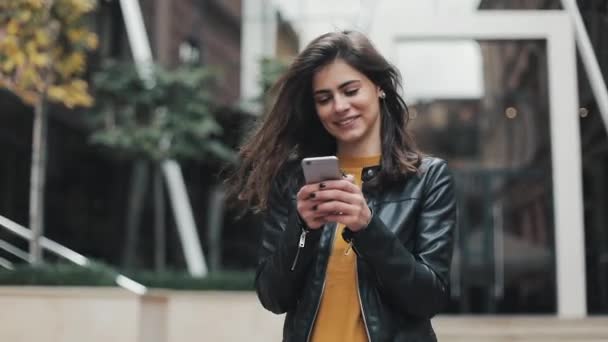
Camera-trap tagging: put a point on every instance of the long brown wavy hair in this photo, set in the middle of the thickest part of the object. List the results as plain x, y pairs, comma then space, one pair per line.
291, 130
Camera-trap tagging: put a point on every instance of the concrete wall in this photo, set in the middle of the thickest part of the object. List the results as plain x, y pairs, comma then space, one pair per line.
53, 314
60, 314
220, 316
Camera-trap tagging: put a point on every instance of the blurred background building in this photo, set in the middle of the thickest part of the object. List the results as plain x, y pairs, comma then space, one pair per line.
492, 126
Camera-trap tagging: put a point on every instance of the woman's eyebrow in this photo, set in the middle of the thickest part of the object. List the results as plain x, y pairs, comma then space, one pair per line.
342, 85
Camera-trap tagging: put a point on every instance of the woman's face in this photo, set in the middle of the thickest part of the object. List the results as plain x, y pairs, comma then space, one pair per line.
348, 106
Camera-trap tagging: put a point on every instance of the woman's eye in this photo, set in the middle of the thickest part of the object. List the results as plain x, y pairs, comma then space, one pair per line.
323, 100
351, 92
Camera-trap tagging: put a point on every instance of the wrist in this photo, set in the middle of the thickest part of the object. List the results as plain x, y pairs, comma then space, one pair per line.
366, 221
364, 225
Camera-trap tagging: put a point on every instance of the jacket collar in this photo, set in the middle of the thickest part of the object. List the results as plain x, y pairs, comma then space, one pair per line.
368, 173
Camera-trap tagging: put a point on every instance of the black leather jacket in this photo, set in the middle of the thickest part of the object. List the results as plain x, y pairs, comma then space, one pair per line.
403, 256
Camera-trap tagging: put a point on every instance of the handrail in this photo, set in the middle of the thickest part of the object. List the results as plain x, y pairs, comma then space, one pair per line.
69, 254
14, 251
6, 264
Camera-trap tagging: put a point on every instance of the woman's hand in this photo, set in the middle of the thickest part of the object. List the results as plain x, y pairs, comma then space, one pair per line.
333, 201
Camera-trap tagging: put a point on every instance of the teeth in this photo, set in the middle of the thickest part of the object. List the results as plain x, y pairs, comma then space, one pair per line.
346, 122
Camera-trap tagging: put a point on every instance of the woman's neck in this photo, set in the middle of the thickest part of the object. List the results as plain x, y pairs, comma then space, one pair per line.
359, 150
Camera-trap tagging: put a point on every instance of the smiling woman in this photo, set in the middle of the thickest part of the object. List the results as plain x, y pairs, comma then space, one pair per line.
365, 257
348, 107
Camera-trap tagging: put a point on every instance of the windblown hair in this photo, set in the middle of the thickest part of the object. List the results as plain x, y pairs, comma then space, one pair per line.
292, 129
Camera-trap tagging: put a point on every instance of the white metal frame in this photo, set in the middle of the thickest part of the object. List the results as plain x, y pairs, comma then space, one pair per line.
180, 202
258, 40
59, 250
594, 73
556, 28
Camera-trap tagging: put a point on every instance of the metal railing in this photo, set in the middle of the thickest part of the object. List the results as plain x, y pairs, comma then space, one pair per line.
58, 250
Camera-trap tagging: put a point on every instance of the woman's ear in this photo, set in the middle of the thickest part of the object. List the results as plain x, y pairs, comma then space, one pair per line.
381, 93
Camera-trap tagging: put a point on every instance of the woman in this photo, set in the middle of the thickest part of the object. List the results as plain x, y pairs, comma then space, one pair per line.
366, 257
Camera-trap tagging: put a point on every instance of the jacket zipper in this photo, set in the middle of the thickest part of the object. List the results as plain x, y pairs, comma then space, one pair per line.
369, 338
314, 318
352, 245
301, 245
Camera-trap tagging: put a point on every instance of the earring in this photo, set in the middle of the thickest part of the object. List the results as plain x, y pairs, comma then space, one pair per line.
382, 94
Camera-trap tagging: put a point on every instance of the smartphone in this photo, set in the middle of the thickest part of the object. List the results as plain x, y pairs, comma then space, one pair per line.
320, 169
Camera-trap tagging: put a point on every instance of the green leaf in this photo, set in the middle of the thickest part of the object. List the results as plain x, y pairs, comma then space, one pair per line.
178, 110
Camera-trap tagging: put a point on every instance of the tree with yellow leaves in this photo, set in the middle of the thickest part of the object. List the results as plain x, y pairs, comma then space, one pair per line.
43, 46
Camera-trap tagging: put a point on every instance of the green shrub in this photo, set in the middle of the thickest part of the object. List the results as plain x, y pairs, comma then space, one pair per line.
58, 275
179, 280
98, 274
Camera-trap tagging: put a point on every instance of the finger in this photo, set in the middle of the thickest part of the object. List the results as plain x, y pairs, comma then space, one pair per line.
305, 207
337, 195
314, 220
332, 207
308, 208
343, 184
350, 178
306, 191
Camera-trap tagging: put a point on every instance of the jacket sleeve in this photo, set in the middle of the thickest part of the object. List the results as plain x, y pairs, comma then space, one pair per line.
416, 282
282, 265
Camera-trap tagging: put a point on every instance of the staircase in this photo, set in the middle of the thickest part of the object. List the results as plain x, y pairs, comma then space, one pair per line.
11, 254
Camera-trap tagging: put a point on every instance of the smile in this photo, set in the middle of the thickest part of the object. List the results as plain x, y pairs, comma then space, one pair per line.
346, 121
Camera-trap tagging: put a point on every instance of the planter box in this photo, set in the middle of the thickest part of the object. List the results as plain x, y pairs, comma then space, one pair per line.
94, 314
98, 314
76, 314
219, 316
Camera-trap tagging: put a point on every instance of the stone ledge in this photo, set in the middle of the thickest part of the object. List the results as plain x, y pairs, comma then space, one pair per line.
100, 314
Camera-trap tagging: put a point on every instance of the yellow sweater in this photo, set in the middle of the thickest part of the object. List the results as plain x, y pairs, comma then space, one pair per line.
339, 317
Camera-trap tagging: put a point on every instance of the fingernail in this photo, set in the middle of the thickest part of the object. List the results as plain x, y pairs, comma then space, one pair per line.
322, 185
314, 207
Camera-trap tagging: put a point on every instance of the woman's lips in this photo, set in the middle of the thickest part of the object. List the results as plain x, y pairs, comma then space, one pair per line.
346, 121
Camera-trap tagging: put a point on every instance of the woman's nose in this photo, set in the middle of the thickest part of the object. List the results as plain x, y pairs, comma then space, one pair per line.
341, 103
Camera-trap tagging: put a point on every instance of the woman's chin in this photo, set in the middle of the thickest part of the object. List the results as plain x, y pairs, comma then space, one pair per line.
350, 138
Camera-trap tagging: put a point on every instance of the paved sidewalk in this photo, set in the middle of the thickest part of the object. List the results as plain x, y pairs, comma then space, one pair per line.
520, 329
